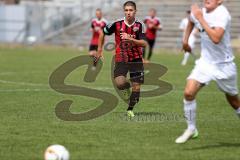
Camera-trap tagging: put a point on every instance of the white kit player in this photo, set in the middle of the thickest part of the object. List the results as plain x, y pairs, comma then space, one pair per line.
216, 61
192, 38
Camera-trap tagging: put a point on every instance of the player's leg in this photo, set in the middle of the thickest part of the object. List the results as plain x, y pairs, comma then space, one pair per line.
151, 45
190, 92
93, 54
137, 78
144, 53
124, 87
234, 101
121, 82
229, 86
190, 105
134, 98
185, 58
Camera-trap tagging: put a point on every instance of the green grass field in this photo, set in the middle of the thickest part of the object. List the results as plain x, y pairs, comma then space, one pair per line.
28, 123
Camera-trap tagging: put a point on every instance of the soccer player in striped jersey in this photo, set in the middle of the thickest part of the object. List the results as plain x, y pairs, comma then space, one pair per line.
153, 24
97, 26
130, 40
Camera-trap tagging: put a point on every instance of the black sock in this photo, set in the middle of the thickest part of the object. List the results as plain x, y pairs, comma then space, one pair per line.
150, 53
130, 108
144, 52
95, 61
134, 98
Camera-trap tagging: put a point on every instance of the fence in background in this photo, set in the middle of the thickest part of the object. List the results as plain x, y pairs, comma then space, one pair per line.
32, 21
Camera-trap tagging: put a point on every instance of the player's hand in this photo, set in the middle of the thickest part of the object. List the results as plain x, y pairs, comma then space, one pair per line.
97, 29
159, 27
125, 36
196, 11
150, 25
99, 54
186, 47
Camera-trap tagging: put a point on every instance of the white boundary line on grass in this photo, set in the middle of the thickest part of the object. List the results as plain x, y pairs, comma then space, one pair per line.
50, 90
22, 83
26, 72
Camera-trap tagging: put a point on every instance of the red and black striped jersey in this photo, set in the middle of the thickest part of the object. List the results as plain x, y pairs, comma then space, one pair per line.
97, 26
125, 50
150, 22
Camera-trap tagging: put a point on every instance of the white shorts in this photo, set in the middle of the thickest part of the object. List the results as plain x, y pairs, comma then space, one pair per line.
224, 74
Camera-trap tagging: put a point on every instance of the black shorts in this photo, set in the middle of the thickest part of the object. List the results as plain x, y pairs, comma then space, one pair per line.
93, 47
135, 68
151, 42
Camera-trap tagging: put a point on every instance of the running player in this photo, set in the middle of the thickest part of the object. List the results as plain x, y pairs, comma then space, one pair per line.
216, 61
192, 38
130, 39
97, 26
153, 24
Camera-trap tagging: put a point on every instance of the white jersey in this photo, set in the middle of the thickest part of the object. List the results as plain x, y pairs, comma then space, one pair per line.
216, 53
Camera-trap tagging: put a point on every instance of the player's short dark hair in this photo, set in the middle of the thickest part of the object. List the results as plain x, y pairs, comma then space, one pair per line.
188, 11
130, 3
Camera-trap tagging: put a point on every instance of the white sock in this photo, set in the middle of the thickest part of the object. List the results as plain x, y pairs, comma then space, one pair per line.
190, 113
185, 59
238, 112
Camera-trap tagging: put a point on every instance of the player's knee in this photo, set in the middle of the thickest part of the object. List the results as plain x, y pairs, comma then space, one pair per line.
120, 85
92, 53
189, 95
120, 82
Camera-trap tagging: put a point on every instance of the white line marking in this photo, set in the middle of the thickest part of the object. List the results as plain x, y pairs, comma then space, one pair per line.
97, 88
22, 83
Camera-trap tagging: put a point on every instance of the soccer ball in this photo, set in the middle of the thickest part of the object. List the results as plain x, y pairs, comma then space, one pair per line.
56, 152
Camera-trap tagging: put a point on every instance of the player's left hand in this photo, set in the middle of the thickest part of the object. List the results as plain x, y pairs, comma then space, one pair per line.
99, 55
159, 27
125, 36
97, 29
151, 25
196, 11
186, 47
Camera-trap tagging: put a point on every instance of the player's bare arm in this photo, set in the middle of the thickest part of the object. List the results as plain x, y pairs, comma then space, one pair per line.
100, 44
216, 33
158, 27
142, 43
187, 33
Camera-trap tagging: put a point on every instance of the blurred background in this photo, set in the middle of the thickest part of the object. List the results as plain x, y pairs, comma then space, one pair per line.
67, 22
